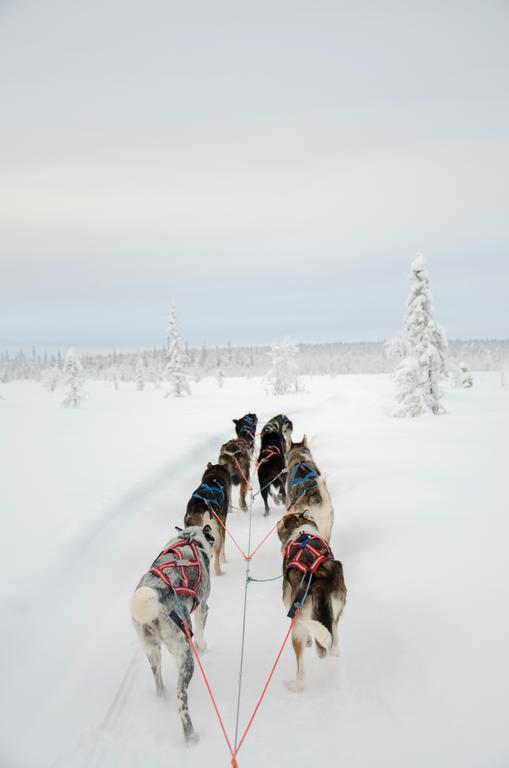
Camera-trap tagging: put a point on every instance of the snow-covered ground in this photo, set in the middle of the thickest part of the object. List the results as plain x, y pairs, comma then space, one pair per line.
89, 496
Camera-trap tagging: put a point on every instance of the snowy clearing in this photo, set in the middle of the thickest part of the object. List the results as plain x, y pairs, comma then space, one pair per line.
89, 496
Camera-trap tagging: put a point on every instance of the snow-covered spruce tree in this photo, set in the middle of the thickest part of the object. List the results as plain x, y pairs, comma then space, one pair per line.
220, 378
140, 374
74, 382
424, 363
283, 373
176, 371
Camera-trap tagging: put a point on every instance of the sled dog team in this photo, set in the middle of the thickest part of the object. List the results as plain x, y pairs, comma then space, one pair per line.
178, 582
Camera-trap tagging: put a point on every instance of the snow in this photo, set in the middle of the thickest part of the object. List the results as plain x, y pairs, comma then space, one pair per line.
89, 496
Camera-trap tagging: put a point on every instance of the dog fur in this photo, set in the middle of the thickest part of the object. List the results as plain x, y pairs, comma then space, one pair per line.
150, 608
198, 511
311, 496
324, 603
237, 453
276, 437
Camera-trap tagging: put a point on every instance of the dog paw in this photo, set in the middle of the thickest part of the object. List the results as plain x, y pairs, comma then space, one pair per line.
192, 738
162, 693
296, 686
334, 651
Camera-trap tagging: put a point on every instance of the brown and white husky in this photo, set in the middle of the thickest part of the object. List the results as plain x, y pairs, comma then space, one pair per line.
307, 489
313, 585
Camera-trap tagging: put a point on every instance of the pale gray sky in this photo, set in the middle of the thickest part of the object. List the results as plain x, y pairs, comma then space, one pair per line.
273, 167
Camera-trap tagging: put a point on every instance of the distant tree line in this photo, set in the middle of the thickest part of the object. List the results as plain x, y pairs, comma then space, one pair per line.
311, 359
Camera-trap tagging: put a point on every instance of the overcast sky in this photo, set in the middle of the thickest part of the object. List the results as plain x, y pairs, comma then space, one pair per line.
272, 167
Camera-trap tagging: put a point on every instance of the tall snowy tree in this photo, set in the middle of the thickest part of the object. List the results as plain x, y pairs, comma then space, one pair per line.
283, 373
423, 349
74, 381
177, 373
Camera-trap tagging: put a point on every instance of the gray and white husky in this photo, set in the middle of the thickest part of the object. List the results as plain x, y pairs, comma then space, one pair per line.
177, 585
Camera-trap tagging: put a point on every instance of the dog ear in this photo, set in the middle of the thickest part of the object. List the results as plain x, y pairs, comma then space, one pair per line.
177, 528
207, 531
209, 464
307, 515
235, 421
305, 442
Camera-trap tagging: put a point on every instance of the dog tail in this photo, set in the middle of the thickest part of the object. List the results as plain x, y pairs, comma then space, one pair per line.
321, 634
227, 461
329, 580
145, 605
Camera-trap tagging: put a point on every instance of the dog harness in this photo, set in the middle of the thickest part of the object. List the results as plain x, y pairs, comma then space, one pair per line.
248, 427
308, 478
307, 553
212, 495
240, 443
269, 452
183, 559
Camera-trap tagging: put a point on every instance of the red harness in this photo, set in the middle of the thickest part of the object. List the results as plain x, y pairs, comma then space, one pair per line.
178, 557
269, 452
307, 553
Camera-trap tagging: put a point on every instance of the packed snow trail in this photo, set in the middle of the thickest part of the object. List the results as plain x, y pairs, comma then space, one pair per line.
90, 579
421, 527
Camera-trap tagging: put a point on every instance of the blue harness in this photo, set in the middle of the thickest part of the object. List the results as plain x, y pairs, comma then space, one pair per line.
213, 495
248, 427
309, 477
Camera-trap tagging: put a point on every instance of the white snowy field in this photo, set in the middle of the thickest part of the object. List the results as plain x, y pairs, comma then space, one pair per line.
89, 497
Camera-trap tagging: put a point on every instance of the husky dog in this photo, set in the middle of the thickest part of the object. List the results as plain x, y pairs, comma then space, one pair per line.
236, 454
246, 428
177, 583
312, 577
307, 489
212, 495
276, 438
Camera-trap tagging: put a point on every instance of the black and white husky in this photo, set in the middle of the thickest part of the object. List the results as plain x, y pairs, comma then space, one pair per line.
276, 438
176, 585
212, 498
313, 583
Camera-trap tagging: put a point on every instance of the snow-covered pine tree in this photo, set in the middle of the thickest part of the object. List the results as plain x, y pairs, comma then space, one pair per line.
176, 370
140, 374
424, 363
73, 379
220, 378
283, 373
